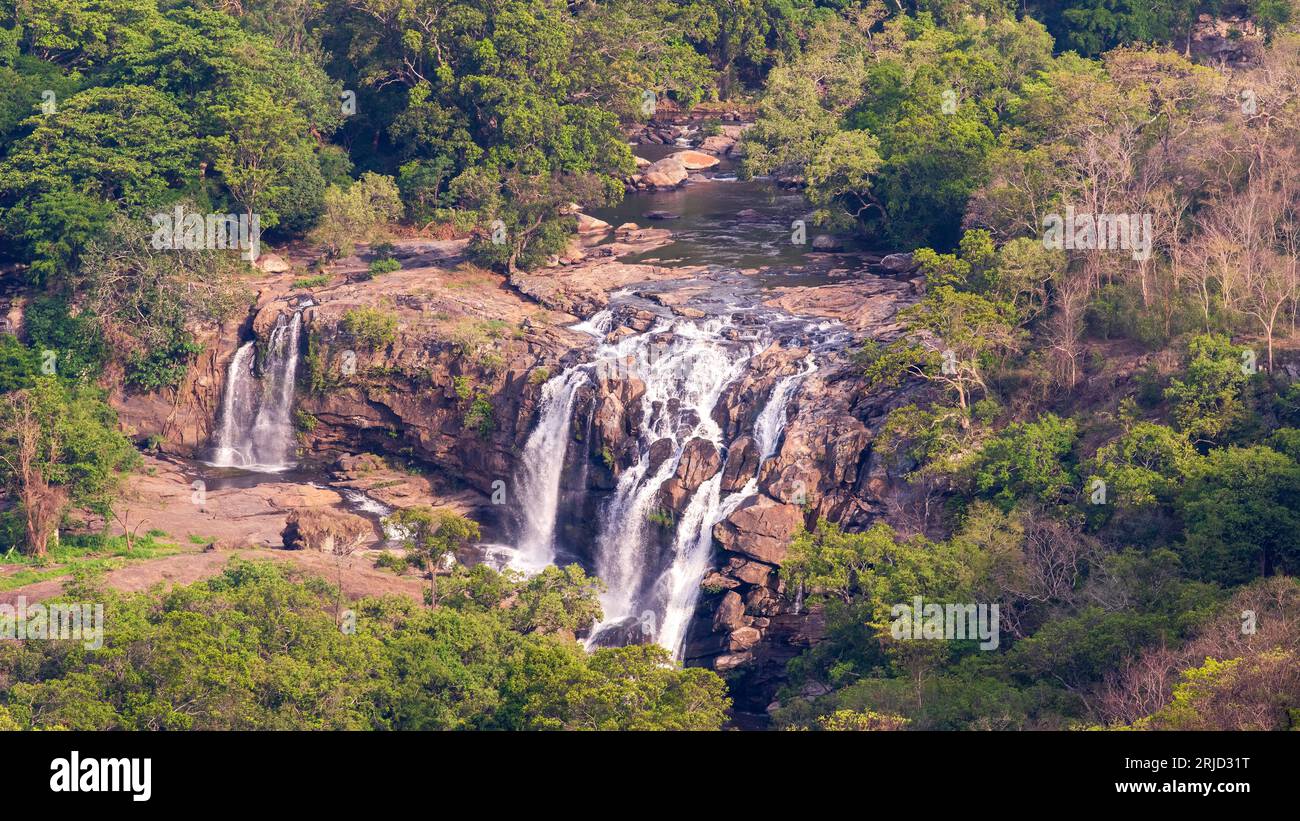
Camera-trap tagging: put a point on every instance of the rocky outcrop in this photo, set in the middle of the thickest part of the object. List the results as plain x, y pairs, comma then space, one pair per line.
326, 530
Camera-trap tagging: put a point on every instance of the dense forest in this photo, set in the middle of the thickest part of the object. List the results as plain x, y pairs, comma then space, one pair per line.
1106, 445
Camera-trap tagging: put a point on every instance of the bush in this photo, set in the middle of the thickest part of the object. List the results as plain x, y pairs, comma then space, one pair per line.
370, 326
386, 265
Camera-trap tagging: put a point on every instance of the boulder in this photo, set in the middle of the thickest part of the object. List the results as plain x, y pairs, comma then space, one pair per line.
661, 215
898, 263
667, 173
700, 460
591, 225
730, 613
717, 144
326, 530
743, 638
272, 264
742, 464
825, 242
695, 160
761, 528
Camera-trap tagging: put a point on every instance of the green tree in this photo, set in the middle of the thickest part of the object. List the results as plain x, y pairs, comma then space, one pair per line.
431, 535
60, 449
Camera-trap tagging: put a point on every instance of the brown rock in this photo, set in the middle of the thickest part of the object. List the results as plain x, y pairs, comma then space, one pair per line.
669, 172
760, 528
591, 225
730, 612
694, 160
700, 460
743, 638
326, 529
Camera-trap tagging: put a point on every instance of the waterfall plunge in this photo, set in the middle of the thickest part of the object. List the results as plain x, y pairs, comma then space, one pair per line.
256, 432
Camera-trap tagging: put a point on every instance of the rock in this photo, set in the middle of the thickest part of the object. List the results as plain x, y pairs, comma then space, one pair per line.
748, 215
730, 612
661, 215
743, 638
742, 464
326, 529
292, 497
761, 528
700, 460
749, 572
627, 228
898, 263
731, 661
591, 225
717, 144
715, 581
641, 162
272, 264
825, 242
695, 160
667, 173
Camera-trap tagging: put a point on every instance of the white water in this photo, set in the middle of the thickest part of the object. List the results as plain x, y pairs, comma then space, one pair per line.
686, 366
540, 470
256, 432
683, 380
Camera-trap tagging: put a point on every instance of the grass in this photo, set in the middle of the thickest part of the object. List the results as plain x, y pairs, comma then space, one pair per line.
92, 552
312, 282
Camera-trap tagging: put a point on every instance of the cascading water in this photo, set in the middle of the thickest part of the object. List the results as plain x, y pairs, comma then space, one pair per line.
256, 432
686, 366
684, 373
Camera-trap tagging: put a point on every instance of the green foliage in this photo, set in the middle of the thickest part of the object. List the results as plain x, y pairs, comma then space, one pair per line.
371, 327
1241, 507
60, 447
1207, 400
385, 265
358, 213
1027, 459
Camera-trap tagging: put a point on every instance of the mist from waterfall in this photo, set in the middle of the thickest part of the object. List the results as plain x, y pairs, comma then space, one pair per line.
256, 429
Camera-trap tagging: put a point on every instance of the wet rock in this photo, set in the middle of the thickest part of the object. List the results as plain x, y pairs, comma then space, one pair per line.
661, 215
700, 460
742, 464
826, 242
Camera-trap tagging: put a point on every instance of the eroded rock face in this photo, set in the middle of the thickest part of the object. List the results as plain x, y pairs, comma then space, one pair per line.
760, 528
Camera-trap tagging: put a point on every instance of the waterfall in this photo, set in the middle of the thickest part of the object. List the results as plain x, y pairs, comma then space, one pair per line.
684, 379
686, 366
540, 469
256, 431
680, 584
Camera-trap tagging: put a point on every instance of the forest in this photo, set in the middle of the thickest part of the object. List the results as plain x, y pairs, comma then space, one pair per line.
1099, 437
